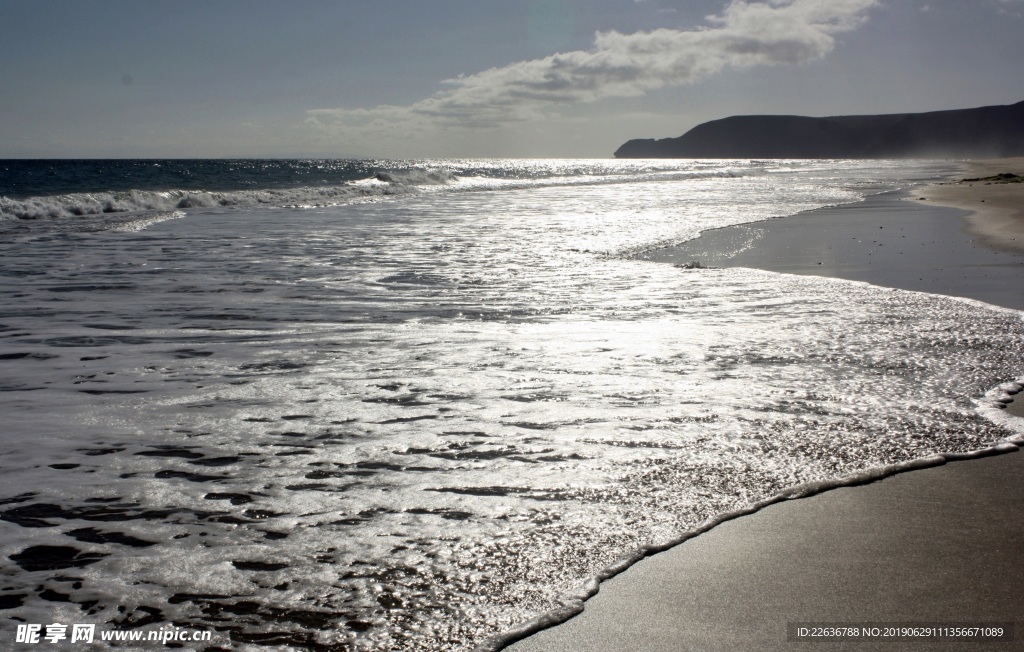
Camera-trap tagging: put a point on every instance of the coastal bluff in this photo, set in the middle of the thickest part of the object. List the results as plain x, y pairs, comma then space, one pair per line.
985, 132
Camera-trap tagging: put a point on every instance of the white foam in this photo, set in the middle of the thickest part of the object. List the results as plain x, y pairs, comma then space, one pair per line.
456, 386
575, 603
991, 406
134, 201
384, 184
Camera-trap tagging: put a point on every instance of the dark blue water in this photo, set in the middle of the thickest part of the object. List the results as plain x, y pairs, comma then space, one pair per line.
20, 179
23, 178
34, 190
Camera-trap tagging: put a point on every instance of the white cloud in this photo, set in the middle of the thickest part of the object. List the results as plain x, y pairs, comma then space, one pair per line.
746, 34
1010, 8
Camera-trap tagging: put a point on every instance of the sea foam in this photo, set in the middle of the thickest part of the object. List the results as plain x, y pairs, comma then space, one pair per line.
421, 423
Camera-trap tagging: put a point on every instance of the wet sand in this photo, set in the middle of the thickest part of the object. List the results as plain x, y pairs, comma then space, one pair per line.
891, 240
942, 544
939, 544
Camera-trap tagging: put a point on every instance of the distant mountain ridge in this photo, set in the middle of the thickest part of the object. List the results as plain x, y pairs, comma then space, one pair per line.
990, 131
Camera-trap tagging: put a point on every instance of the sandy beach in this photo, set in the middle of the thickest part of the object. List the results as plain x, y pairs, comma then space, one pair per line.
891, 240
996, 205
936, 545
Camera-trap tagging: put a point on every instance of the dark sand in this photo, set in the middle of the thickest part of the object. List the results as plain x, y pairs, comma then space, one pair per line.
938, 544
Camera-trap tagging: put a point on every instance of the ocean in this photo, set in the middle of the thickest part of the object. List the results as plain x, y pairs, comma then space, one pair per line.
429, 405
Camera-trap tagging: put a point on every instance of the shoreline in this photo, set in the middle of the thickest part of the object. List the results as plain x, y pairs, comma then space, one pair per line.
889, 240
851, 555
1000, 222
640, 605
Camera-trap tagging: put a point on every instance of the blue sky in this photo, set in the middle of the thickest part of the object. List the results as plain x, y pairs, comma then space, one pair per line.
476, 78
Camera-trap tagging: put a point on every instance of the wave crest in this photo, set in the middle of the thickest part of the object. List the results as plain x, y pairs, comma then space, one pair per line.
385, 182
418, 177
137, 201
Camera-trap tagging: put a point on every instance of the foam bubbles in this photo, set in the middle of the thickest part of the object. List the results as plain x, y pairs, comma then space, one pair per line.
418, 424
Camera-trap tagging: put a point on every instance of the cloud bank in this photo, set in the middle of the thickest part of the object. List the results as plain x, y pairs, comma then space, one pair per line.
746, 34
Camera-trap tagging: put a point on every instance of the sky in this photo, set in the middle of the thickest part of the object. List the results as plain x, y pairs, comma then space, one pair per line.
473, 78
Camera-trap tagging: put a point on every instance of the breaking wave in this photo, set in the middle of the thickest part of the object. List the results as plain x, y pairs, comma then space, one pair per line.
385, 182
135, 201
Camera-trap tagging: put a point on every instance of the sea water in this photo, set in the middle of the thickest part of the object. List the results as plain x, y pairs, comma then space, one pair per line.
425, 405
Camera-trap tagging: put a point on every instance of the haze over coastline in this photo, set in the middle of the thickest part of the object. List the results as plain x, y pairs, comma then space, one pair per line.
987, 132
